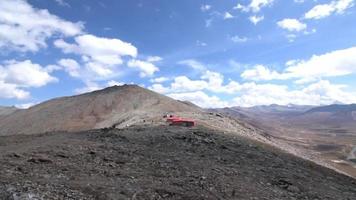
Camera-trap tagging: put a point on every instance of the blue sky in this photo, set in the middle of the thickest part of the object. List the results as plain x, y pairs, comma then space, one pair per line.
213, 53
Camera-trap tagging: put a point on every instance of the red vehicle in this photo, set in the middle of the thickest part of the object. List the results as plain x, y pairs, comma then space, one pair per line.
177, 121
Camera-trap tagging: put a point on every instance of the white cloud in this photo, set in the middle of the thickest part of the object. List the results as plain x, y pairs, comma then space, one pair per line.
24, 28
89, 87
159, 88
154, 59
228, 15
93, 86
25, 105
97, 70
205, 8
292, 25
208, 22
200, 98
103, 50
145, 68
184, 84
325, 10
71, 66
159, 80
114, 83
25, 74
299, 1
201, 44
291, 37
335, 63
332, 64
238, 39
193, 64
17, 75
254, 6
320, 93
210, 81
256, 19
12, 91
260, 73
62, 3
103, 57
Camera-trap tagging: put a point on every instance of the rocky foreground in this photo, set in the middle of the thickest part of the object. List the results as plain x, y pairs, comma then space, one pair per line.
159, 163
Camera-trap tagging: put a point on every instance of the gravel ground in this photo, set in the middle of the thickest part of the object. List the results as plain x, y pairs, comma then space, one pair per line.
159, 163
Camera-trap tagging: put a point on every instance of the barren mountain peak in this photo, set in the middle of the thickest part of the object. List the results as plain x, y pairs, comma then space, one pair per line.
117, 105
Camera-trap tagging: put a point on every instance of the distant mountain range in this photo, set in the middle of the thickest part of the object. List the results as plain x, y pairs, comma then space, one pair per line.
328, 130
335, 108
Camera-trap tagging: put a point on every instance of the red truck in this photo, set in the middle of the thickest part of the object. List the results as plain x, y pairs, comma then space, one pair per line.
177, 121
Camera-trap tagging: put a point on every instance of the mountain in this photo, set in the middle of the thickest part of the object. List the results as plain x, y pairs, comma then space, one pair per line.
326, 132
335, 108
274, 108
159, 163
7, 110
333, 115
113, 106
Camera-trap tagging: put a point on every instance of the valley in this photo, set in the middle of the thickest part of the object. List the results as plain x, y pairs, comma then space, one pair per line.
327, 133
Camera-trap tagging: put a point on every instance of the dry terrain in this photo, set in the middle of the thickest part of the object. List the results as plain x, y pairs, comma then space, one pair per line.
328, 134
159, 163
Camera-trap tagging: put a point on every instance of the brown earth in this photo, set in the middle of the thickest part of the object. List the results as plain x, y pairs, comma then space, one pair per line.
118, 105
326, 134
159, 163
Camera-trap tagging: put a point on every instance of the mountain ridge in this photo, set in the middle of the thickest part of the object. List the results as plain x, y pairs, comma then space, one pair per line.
98, 109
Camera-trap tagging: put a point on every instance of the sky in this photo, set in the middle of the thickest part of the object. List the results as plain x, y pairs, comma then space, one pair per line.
214, 53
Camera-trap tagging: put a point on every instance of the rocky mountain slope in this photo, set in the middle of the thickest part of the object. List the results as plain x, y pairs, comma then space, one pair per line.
6, 110
161, 162
118, 105
327, 132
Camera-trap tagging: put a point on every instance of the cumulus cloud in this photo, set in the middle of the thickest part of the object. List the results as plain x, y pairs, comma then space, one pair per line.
332, 64
324, 10
251, 93
102, 57
254, 6
24, 28
25, 105
238, 39
335, 63
25, 74
92, 86
145, 68
200, 98
114, 83
89, 87
228, 15
154, 59
12, 91
205, 7
70, 66
260, 73
292, 25
159, 79
256, 19
103, 50
319, 93
16, 76
209, 80
193, 64
62, 3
